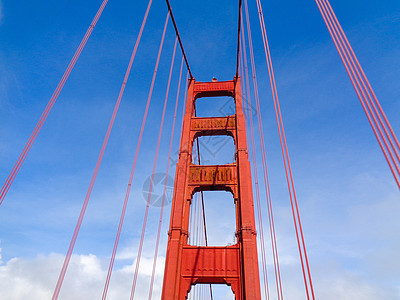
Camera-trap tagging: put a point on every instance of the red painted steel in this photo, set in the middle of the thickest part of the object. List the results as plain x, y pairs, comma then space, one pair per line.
235, 265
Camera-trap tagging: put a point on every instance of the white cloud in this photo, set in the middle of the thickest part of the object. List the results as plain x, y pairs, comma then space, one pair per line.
331, 282
35, 278
348, 287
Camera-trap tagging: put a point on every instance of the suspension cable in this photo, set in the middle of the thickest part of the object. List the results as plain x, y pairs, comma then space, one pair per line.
349, 59
263, 154
256, 185
201, 192
179, 38
190, 226
86, 201
202, 204
155, 162
363, 90
238, 38
121, 221
167, 171
10, 179
288, 169
359, 70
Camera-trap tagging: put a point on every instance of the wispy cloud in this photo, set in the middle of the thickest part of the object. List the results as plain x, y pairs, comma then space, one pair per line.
35, 279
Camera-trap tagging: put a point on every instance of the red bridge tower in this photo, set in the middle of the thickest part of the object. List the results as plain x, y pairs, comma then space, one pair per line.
235, 265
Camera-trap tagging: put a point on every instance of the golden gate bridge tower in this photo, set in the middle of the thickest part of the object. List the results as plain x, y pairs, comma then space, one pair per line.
235, 265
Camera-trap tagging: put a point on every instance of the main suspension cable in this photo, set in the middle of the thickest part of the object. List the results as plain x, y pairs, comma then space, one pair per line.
238, 38
179, 38
10, 179
99, 160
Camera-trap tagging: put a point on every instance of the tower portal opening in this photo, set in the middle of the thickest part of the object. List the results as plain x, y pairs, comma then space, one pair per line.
220, 215
219, 291
214, 150
215, 107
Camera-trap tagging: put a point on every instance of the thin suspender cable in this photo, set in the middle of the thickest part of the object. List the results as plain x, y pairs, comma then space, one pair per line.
121, 221
360, 70
194, 214
167, 171
201, 192
202, 201
349, 61
285, 154
258, 202
203, 208
202, 197
263, 156
345, 58
155, 162
357, 77
10, 179
190, 230
197, 220
246, 97
265, 171
83, 210
204, 219
255, 174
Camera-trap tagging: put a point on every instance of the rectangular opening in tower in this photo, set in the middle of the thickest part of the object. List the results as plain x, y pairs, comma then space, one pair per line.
214, 150
218, 291
220, 216
215, 107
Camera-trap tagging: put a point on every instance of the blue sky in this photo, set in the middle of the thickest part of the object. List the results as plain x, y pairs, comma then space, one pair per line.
348, 199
